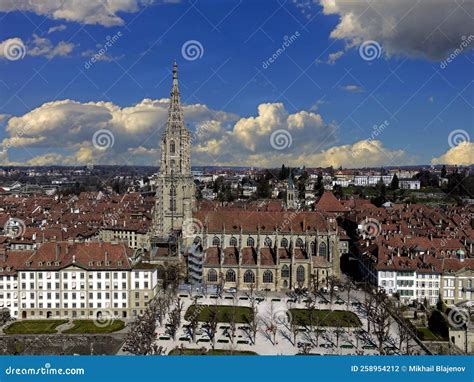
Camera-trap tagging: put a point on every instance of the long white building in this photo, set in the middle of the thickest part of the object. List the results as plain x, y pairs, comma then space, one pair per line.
75, 280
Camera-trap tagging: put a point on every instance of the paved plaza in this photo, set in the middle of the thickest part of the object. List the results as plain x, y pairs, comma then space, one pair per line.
274, 309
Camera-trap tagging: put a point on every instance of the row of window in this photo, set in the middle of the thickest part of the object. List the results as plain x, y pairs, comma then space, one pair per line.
55, 275
249, 276
268, 242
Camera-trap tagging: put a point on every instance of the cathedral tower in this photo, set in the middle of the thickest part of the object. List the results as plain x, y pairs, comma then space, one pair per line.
175, 184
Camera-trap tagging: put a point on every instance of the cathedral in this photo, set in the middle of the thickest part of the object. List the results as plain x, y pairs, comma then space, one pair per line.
264, 248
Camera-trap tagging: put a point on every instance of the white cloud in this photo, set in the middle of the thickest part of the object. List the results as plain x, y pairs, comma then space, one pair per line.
332, 58
44, 47
353, 89
415, 29
462, 154
15, 48
65, 129
103, 12
58, 28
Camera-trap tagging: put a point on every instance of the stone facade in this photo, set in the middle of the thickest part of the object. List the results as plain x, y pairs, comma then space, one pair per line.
175, 184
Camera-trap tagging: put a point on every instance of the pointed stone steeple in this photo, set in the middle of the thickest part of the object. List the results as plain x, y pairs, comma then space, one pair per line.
290, 193
175, 184
175, 114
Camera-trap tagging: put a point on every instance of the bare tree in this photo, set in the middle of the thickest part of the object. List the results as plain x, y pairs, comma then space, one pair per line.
253, 319
294, 328
232, 324
194, 319
142, 335
162, 303
314, 285
174, 319
211, 324
332, 282
173, 275
348, 286
369, 305
382, 320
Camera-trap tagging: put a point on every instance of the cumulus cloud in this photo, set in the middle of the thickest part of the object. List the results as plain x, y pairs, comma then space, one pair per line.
15, 48
415, 29
102, 12
462, 154
70, 125
332, 58
65, 129
44, 47
58, 28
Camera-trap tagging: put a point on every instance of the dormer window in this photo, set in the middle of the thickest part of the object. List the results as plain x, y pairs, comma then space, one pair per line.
56, 263
40, 263
48, 263
119, 262
99, 263
91, 263
107, 263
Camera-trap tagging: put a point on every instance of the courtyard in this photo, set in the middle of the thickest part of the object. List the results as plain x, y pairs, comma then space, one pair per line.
284, 326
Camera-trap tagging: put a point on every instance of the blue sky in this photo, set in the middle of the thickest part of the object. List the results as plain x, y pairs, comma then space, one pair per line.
53, 99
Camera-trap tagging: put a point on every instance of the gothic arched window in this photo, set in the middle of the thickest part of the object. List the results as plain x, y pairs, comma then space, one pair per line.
299, 243
172, 147
215, 241
313, 248
250, 242
268, 242
233, 242
230, 276
285, 271
197, 240
300, 276
267, 277
212, 276
249, 277
323, 250
284, 243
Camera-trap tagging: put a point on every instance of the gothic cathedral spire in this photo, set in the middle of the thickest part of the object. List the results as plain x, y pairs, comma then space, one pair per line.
175, 184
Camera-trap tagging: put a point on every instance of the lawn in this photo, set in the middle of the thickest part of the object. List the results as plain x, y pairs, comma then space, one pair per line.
34, 327
426, 334
178, 351
89, 326
325, 317
243, 314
